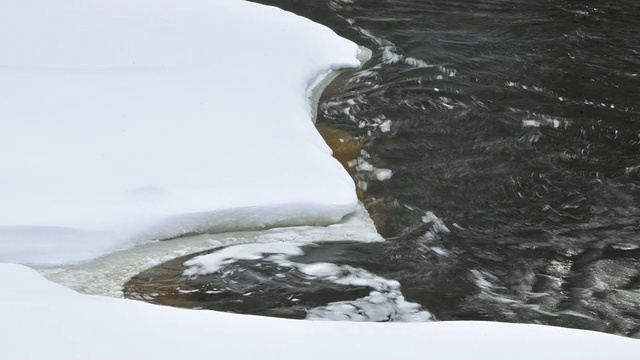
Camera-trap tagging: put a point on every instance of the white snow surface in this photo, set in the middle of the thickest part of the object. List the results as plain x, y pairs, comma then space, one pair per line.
130, 120
43, 320
125, 121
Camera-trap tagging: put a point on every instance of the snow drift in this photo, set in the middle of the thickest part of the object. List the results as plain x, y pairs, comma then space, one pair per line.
124, 121
53, 322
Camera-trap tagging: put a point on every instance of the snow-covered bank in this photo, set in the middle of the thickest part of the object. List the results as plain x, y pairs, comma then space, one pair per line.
50, 321
125, 121
130, 120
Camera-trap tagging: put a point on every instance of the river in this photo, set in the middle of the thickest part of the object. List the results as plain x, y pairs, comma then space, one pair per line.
499, 157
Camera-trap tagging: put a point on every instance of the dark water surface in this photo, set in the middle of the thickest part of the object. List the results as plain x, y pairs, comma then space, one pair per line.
515, 123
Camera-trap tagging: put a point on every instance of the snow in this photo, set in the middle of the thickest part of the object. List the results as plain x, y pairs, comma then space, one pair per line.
41, 319
125, 121
128, 121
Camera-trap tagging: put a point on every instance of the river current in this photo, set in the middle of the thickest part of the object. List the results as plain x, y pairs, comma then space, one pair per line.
498, 152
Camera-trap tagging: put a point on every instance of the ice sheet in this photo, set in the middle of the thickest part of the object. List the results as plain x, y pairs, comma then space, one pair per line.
125, 121
108, 274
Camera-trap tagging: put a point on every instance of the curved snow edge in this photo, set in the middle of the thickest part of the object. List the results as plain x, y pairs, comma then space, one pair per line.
142, 127
322, 80
68, 325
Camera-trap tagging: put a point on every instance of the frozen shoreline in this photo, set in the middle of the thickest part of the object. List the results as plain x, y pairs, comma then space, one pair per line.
106, 274
320, 83
40, 319
130, 130
45, 320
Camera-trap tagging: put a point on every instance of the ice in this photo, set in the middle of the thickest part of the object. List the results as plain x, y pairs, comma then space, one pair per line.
108, 274
435, 223
377, 307
385, 126
43, 320
319, 269
435, 228
207, 264
383, 174
364, 167
127, 121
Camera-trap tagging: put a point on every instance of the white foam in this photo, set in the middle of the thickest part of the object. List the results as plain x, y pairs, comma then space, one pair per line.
385, 126
384, 303
211, 263
367, 171
436, 228
377, 307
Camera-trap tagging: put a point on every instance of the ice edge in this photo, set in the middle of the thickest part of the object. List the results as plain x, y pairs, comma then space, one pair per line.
321, 81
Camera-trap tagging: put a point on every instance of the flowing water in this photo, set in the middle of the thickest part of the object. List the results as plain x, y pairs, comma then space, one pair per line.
499, 156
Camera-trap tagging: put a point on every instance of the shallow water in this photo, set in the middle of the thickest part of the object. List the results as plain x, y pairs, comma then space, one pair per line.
515, 124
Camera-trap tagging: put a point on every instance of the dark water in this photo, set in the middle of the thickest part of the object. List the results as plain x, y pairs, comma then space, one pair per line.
517, 123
